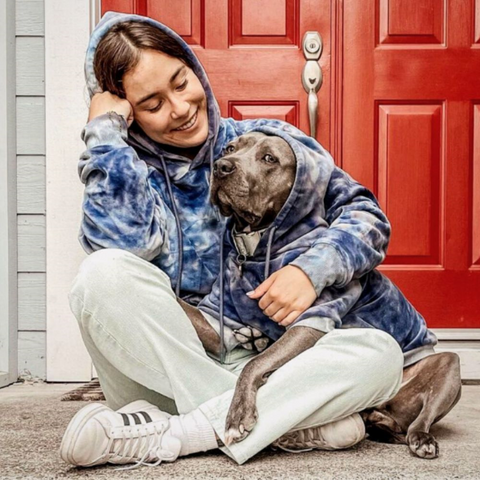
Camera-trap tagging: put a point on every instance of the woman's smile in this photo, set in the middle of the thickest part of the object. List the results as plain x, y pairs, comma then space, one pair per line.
189, 124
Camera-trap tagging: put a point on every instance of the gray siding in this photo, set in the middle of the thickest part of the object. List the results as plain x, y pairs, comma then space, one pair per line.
30, 92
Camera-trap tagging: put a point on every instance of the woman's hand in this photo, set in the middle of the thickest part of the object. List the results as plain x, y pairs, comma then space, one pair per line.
286, 294
108, 102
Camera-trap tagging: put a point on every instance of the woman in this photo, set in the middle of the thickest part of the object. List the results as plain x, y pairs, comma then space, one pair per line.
151, 138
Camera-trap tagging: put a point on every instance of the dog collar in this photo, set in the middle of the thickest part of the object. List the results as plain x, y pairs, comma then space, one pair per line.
246, 242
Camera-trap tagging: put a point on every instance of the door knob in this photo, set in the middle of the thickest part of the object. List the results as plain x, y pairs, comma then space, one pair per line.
312, 77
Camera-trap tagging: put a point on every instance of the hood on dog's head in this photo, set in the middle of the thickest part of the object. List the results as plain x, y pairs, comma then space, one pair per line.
253, 179
304, 205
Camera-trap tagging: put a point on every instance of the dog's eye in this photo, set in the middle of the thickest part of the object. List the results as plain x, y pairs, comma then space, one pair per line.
268, 158
229, 149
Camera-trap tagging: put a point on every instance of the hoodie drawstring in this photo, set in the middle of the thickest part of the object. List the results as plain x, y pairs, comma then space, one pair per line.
222, 340
269, 248
179, 230
215, 208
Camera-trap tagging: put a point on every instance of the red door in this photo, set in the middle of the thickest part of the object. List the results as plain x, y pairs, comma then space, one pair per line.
398, 109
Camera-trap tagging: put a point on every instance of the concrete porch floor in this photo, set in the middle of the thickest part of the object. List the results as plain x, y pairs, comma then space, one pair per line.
33, 420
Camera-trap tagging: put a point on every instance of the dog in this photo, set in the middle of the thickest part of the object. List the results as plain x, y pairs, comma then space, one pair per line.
431, 387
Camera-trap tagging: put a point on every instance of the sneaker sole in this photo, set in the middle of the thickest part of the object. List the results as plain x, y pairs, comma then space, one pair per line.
74, 428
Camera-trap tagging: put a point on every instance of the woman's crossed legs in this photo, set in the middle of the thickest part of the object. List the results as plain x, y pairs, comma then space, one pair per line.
144, 347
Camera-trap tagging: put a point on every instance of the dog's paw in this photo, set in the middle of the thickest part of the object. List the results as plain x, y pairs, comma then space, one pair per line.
241, 419
423, 444
251, 338
236, 431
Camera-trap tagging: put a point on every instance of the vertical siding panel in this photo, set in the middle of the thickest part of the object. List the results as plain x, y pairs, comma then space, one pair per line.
31, 243
31, 354
31, 301
30, 18
30, 65
31, 184
31, 125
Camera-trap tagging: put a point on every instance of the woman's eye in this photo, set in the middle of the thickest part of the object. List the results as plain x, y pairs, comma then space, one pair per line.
183, 86
229, 149
268, 158
154, 109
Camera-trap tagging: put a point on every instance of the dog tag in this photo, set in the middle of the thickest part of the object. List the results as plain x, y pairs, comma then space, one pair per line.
241, 259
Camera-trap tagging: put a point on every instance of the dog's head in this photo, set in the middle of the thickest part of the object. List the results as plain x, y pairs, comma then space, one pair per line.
253, 179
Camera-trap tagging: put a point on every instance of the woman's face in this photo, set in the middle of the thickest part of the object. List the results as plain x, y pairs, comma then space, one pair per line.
168, 100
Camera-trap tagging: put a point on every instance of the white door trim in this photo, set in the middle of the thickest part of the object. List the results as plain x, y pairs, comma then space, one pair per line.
457, 333
8, 199
466, 343
67, 30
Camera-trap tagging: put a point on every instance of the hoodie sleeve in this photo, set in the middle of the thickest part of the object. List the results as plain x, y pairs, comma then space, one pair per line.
356, 240
120, 208
333, 304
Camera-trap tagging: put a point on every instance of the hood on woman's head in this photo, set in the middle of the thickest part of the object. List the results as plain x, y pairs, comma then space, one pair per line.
179, 49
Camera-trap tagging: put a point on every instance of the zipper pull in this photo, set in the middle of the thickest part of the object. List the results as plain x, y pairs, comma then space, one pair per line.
241, 260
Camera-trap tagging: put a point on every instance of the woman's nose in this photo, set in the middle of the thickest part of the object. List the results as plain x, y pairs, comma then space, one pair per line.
180, 107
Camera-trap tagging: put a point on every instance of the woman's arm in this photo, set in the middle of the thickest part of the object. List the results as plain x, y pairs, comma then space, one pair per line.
120, 208
356, 241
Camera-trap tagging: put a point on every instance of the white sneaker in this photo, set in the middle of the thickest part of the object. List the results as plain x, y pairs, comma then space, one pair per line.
337, 435
138, 433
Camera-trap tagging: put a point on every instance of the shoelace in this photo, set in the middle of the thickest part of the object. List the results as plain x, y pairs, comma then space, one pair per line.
137, 444
308, 437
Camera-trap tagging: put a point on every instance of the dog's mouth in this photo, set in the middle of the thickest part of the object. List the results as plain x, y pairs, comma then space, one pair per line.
228, 208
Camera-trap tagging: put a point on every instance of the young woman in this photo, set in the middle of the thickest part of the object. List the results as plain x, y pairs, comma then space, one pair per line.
153, 133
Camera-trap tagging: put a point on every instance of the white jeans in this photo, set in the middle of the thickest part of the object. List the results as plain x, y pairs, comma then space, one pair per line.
144, 346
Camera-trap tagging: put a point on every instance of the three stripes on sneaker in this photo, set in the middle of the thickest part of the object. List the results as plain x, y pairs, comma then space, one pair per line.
136, 418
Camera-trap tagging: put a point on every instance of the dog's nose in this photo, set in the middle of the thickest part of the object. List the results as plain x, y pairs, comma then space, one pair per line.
222, 168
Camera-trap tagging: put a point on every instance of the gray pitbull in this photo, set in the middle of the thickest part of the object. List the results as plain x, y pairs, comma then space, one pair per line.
431, 387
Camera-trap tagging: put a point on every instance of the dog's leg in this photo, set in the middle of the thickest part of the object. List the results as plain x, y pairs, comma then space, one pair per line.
208, 336
430, 389
243, 413
438, 400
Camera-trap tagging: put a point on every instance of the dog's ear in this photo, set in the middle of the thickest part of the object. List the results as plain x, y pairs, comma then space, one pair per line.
286, 155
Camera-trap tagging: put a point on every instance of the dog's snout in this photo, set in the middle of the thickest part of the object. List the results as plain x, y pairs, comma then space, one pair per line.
223, 167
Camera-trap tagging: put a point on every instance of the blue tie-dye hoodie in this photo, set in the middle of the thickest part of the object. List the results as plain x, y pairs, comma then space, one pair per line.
301, 225
154, 203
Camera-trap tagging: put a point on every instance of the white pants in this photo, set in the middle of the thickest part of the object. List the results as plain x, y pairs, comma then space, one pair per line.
144, 346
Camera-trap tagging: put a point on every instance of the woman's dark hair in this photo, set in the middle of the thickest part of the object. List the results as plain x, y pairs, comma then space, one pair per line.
120, 49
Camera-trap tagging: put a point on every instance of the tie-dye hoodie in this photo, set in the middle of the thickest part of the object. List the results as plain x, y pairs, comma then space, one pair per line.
154, 203
371, 301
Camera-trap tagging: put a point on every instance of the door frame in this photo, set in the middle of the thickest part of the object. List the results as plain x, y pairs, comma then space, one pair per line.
8, 199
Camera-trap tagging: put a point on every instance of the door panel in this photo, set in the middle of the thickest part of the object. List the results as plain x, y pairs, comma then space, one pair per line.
411, 72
